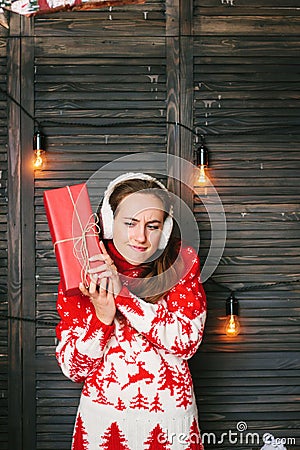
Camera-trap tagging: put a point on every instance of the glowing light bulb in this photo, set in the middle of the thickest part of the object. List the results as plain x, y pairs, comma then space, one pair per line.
202, 175
38, 160
232, 327
202, 161
39, 150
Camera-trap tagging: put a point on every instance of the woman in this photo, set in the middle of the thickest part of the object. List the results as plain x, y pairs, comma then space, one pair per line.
129, 335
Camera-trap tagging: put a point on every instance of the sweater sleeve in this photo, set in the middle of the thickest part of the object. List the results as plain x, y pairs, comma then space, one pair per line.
82, 336
175, 323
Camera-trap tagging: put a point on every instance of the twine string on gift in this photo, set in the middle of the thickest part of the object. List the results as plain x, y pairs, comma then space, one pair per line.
80, 247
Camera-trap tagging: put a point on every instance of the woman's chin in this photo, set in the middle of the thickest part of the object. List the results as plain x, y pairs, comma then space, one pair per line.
135, 260
136, 256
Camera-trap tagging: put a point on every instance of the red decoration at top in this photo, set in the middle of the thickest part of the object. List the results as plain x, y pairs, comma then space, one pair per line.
33, 7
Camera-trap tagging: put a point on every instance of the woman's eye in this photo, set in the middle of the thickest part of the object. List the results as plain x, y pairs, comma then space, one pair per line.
129, 224
150, 227
153, 227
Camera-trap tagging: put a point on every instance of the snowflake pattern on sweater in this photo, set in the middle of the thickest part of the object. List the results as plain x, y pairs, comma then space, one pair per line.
137, 389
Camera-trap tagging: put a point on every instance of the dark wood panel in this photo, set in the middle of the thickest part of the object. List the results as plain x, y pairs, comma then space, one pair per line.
254, 361
51, 69
229, 25
14, 245
244, 83
146, 23
145, 94
124, 84
115, 46
3, 245
28, 241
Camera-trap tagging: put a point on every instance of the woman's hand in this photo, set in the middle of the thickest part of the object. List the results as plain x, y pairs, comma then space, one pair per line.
102, 298
106, 269
105, 285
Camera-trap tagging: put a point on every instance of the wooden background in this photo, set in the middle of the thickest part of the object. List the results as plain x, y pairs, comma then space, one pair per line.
228, 69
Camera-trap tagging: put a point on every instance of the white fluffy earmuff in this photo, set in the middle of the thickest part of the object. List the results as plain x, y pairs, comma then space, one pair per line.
107, 213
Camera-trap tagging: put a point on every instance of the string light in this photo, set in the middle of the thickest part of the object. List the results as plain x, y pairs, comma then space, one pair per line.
246, 288
38, 137
232, 325
39, 150
202, 161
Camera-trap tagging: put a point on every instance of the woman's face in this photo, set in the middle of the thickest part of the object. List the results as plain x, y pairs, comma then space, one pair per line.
138, 224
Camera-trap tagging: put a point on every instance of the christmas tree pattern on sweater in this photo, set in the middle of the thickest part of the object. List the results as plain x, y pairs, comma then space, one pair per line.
137, 389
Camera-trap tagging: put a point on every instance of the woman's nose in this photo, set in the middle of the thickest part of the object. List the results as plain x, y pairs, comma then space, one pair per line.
140, 233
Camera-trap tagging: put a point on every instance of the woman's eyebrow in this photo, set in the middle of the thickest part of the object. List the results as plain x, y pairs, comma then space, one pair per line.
154, 221
137, 220
131, 218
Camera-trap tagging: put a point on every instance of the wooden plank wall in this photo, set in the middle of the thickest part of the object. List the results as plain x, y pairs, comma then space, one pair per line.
3, 246
238, 62
246, 81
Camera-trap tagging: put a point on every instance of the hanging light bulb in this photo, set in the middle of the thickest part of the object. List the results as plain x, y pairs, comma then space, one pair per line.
202, 175
202, 161
39, 150
232, 326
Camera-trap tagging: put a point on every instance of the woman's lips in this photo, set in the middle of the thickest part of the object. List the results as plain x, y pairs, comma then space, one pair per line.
138, 249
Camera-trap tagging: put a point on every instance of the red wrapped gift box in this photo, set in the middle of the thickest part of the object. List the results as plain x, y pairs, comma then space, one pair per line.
74, 234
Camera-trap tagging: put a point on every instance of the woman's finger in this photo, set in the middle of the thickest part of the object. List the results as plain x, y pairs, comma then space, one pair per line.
104, 256
110, 288
102, 286
108, 259
116, 285
93, 285
98, 257
83, 289
97, 269
103, 249
106, 274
